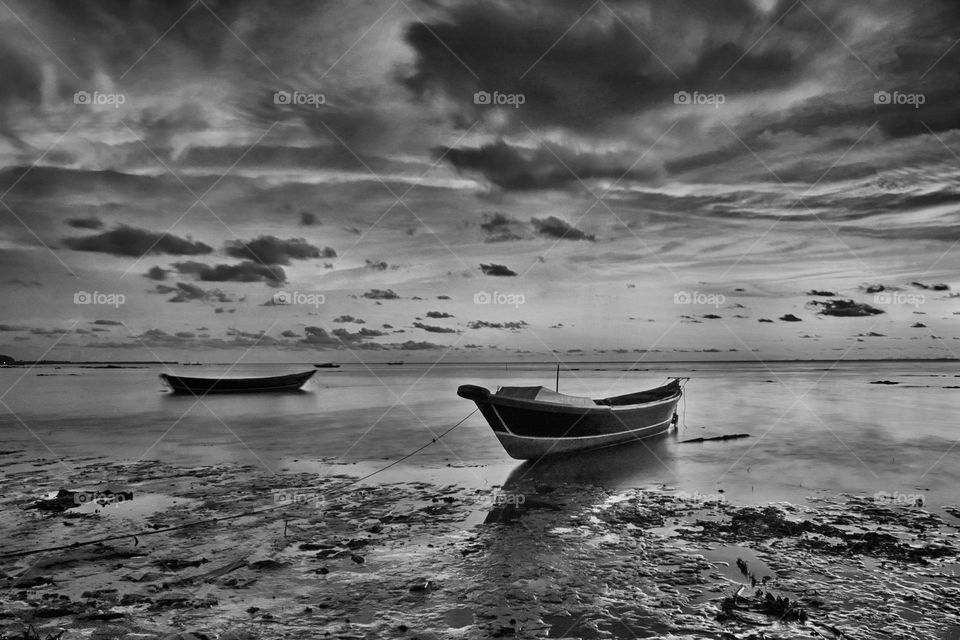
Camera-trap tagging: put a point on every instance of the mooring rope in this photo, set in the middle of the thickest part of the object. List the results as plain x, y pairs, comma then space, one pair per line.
252, 512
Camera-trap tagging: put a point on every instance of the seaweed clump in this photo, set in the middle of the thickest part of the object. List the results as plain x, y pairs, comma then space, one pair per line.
735, 608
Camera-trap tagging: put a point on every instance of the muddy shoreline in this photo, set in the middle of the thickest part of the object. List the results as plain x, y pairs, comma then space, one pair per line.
421, 560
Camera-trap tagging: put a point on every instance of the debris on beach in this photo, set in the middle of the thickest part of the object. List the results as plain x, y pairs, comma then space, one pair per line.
414, 559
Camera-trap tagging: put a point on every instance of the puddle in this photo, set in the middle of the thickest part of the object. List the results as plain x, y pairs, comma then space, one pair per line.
671, 531
141, 507
458, 618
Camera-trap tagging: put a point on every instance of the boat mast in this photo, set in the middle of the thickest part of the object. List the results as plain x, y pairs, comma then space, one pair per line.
558, 378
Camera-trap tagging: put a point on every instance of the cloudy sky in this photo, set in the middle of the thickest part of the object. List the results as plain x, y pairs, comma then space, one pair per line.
308, 181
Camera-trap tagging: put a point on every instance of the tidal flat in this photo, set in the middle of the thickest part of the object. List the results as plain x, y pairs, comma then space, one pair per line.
307, 555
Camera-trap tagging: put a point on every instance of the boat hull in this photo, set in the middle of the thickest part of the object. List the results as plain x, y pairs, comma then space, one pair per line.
531, 429
204, 386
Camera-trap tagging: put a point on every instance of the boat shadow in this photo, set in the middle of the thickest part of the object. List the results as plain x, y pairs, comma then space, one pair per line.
550, 483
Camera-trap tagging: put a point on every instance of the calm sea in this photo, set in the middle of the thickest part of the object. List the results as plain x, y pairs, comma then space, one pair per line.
814, 430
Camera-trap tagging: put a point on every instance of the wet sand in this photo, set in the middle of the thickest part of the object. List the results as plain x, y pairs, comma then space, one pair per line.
544, 555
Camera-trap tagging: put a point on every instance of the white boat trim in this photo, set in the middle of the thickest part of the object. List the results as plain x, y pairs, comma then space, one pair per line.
503, 423
605, 435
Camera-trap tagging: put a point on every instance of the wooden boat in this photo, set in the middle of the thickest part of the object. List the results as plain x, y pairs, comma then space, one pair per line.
533, 422
203, 386
327, 365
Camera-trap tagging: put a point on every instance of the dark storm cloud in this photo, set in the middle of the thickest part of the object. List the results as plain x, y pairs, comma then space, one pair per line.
319, 337
45, 182
433, 328
376, 265
92, 222
245, 271
134, 242
554, 227
187, 292
607, 66
273, 251
497, 270
483, 324
516, 168
363, 334
243, 48
108, 39
502, 228
40, 331
612, 74
858, 109
844, 308
324, 156
157, 273
381, 294
161, 338
413, 345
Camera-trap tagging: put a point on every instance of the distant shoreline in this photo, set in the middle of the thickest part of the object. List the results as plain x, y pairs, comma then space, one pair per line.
27, 363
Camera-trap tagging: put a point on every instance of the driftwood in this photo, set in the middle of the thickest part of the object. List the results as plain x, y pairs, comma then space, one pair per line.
729, 436
209, 576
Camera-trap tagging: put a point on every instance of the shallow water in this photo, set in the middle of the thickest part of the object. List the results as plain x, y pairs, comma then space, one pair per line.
815, 430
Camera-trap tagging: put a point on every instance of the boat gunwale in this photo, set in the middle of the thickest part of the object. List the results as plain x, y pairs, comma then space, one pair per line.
542, 405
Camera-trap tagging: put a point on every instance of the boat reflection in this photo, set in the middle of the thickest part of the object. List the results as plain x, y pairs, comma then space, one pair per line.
534, 484
541, 554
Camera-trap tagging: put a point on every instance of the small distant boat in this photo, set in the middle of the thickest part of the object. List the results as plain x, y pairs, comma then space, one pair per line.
533, 422
396, 363
327, 365
203, 386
